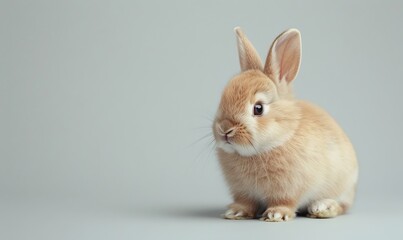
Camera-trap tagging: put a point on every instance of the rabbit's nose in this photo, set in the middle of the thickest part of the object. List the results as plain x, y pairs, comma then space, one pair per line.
227, 126
229, 131
228, 134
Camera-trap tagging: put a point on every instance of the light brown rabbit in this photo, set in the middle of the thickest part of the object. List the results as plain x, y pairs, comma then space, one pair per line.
279, 153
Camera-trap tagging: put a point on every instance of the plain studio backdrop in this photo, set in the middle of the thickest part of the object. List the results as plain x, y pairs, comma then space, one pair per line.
104, 106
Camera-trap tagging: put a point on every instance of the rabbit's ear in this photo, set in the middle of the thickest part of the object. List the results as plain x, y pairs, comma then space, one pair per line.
248, 56
284, 57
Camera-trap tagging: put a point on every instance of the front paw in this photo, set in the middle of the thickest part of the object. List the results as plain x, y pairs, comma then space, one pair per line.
278, 214
325, 208
238, 212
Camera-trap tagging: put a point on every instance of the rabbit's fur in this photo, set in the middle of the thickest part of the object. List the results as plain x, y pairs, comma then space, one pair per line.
294, 156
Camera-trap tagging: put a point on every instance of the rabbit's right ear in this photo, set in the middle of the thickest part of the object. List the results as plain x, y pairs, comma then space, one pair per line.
248, 56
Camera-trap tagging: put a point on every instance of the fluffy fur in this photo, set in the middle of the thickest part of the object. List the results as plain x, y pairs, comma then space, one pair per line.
294, 157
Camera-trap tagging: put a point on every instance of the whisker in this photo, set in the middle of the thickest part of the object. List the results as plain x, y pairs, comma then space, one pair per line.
205, 148
250, 142
212, 145
208, 118
204, 127
200, 139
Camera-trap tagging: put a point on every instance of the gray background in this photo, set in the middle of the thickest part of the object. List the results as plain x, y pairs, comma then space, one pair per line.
102, 104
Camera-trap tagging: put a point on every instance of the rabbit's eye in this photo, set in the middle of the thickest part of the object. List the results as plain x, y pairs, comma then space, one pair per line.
258, 109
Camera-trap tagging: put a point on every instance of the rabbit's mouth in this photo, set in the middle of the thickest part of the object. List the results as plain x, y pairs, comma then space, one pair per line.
227, 139
234, 138
230, 146
242, 150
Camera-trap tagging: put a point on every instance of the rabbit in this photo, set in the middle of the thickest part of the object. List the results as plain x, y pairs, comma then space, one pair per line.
280, 155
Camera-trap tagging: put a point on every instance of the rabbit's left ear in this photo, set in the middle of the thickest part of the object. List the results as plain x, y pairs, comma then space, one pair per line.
248, 56
284, 57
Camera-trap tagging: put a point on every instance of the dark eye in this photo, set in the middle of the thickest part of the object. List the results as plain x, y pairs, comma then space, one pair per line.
258, 109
